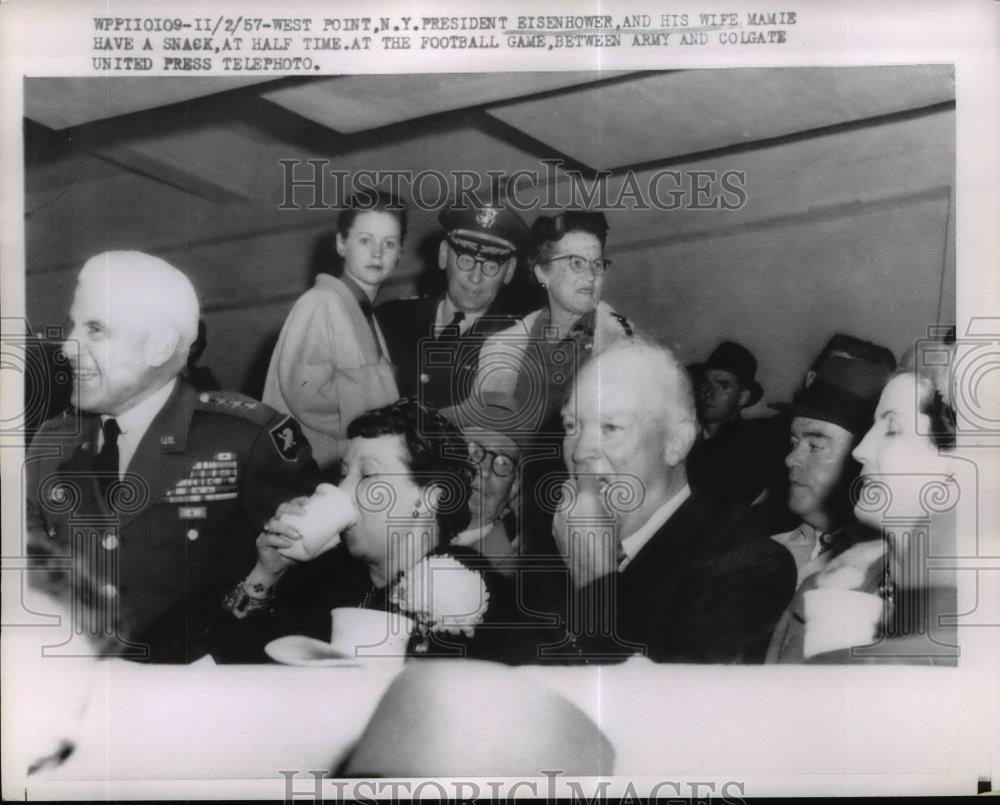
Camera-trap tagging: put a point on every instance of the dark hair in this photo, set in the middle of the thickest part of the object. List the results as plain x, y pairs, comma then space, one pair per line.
930, 362
372, 201
548, 230
438, 455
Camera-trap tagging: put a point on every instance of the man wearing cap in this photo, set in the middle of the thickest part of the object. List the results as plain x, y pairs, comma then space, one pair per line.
144, 500
435, 341
734, 457
829, 416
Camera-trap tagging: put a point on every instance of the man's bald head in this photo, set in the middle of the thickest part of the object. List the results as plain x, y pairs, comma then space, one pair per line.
648, 376
141, 288
134, 318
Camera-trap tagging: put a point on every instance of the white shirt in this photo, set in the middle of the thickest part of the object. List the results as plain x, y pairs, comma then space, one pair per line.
134, 423
446, 311
633, 543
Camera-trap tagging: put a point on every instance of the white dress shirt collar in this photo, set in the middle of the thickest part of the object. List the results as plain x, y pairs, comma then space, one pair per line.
632, 544
446, 311
135, 422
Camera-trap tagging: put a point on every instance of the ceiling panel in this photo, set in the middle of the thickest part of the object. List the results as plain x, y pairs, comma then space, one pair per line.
667, 115
63, 102
357, 103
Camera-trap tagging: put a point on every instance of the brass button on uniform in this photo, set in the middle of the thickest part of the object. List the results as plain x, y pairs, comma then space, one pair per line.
110, 542
192, 534
425, 378
109, 591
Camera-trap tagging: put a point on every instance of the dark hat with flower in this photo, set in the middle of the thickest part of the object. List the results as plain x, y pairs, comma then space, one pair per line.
844, 391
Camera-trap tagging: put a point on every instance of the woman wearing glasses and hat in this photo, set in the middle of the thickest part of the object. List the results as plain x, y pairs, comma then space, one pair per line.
535, 360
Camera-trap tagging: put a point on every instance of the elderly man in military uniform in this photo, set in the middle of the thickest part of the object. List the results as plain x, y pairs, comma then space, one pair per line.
144, 500
435, 341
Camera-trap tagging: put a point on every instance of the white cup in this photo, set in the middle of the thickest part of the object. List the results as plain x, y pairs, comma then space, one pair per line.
838, 619
358, 633
327, 513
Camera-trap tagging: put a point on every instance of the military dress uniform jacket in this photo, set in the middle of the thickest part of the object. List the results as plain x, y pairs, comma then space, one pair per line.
179, 532
436, 368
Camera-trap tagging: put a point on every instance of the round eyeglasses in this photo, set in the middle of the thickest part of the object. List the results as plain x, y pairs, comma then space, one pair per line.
500, 464
467, 259
578, 264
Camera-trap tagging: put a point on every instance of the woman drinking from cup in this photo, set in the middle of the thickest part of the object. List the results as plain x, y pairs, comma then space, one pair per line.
403, 496
331, 362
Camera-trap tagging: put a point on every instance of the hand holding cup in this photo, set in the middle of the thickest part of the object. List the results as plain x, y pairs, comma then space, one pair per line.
312, 526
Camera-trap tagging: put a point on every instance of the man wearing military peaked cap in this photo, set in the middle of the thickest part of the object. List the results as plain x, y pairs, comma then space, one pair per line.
435, 340
147, 492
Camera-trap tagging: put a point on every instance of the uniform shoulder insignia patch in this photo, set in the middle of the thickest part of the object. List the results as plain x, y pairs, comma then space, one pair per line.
287, 438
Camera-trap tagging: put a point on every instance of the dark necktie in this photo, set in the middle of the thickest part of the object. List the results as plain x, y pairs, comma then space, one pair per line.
106, 463
369, 313
452, 329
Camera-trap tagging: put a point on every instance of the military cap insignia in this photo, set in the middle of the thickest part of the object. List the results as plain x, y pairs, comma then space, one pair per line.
287, 438
487, 216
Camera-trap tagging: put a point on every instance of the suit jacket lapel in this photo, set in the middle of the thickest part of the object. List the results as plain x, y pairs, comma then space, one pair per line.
669, 545
161, 458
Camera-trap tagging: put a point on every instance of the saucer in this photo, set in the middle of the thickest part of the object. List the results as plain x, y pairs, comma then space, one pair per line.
308, 651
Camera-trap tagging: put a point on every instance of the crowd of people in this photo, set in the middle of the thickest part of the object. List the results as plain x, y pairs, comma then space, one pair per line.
544, 487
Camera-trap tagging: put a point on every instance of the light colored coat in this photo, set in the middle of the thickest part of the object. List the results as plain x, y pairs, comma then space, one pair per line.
325, 370
507, 357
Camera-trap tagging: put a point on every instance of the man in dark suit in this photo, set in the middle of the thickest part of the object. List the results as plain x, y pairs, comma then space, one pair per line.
652, 570
144, 500
435, 341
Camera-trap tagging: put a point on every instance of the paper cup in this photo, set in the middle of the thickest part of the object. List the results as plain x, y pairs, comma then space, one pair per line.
838, 619
327, 513
370, 634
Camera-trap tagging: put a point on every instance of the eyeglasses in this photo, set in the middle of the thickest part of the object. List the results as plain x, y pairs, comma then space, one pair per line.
501, 465
579, 265
467, 259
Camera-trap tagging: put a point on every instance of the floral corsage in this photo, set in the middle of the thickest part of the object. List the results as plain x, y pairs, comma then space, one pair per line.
442, 596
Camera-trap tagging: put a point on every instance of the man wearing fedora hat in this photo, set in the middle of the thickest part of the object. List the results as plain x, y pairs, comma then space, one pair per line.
734, 458
435, 340
828, 418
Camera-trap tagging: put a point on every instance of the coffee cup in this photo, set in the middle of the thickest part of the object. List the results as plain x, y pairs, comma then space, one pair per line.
358, 633
839, 619
327, 513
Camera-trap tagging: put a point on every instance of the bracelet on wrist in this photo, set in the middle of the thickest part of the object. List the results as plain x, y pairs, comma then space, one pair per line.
241, 601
